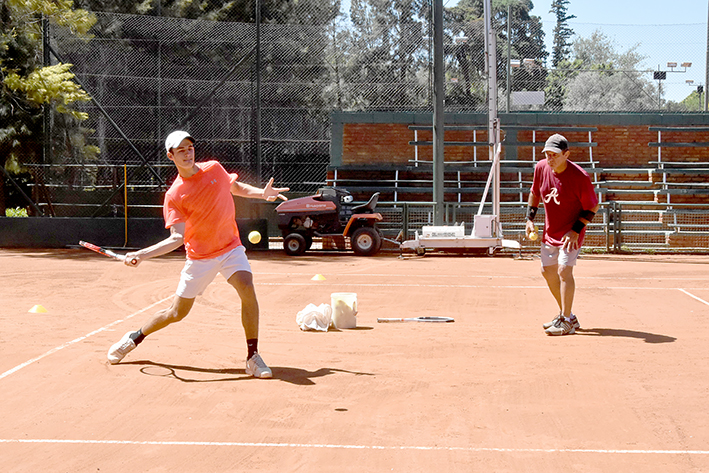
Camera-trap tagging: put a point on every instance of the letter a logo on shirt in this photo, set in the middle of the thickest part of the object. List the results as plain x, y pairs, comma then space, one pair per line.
553, 194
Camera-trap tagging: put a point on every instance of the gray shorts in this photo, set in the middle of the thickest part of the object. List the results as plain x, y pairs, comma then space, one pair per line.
199, 273
552, 255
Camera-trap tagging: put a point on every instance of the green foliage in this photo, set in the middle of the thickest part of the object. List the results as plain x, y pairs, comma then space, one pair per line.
557, 83
526, 41
27, 88
561, 50
16, 212
48, 85
59, 11
600, 78
694, 101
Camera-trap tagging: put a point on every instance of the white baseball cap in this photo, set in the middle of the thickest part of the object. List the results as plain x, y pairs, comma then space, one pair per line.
174, 139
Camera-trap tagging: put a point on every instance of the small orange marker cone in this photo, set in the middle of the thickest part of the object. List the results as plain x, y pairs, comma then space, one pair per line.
318, 277
37, 309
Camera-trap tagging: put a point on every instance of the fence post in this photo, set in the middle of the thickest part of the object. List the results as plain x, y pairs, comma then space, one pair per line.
405, 222
606, 225
617, 224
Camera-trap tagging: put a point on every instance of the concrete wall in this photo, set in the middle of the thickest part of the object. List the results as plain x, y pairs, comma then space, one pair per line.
61, 232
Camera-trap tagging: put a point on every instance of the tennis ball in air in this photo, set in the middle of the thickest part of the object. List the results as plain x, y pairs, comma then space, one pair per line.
533, 236
254, 237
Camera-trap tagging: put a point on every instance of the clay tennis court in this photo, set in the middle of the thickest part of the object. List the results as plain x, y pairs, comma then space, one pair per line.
490, 392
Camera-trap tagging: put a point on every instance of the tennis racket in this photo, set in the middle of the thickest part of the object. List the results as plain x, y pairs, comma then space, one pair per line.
105, 251
417, 319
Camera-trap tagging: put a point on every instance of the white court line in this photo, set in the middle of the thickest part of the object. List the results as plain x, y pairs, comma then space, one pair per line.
77, 340
486, 276
695, 297
459, 286
356, 447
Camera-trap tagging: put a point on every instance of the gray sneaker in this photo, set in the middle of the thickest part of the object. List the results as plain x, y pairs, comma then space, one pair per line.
573, 320
256, 367
121, 348
561, 327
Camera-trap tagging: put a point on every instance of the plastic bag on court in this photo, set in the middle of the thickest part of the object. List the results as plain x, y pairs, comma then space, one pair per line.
315, 317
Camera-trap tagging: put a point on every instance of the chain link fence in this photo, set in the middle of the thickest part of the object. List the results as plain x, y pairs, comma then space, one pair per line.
258, 99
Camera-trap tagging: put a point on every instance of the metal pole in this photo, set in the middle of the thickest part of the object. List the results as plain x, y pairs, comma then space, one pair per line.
257, 128
493, 128
438, 112
509, 52
706, 68
47, 109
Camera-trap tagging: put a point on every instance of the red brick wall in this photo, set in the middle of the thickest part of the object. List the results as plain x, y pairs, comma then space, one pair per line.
617, 146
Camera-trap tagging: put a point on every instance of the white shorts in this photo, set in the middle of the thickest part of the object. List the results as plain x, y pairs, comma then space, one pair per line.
199, 273
552, 255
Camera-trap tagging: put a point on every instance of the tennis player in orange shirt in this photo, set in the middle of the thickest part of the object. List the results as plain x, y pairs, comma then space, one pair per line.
199, 211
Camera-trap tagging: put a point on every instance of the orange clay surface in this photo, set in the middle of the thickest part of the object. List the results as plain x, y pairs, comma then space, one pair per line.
490, 392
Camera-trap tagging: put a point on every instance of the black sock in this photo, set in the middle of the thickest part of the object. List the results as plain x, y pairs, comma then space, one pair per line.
252, 344
137, 337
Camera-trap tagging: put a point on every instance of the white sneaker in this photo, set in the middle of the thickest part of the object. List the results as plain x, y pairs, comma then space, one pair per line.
256, 367
574, 321
562, 326
121, 349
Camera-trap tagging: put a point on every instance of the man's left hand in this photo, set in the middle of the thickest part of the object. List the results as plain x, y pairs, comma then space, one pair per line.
271, 193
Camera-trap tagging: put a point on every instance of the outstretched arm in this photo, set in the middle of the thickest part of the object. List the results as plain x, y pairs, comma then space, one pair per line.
174, 241
268, 193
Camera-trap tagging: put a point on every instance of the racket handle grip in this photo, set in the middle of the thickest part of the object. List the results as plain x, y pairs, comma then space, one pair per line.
132, 261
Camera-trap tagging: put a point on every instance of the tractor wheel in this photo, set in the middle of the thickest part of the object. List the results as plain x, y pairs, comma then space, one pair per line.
294, 244
366, 241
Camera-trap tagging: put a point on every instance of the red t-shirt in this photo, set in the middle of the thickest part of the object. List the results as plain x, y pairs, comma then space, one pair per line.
205, 204
564, 196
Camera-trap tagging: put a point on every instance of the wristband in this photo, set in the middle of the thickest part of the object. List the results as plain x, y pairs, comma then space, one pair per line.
587, 215
578, 226
531, 213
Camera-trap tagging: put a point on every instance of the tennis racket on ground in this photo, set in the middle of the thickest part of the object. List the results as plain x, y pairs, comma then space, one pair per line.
105, 251
417, 319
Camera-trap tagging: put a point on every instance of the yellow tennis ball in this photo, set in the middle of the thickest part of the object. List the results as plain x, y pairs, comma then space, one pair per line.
254, 237
533, 236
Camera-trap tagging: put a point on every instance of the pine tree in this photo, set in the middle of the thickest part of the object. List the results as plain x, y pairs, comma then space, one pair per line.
562, 32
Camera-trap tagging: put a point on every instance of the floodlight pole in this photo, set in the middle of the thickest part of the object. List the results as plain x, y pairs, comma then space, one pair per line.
438, 113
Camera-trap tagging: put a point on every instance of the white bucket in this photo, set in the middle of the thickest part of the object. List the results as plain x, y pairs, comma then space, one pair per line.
344, 309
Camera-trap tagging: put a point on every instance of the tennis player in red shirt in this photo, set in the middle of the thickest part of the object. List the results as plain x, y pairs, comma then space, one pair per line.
570, 204
199, 211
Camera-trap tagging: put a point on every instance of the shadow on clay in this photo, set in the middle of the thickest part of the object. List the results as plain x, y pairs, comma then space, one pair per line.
296, 376
615, 332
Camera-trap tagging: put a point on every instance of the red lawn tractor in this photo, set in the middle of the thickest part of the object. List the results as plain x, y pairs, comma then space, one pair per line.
330, 212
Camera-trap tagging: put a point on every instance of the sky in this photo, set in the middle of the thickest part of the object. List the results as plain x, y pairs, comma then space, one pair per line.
669, 31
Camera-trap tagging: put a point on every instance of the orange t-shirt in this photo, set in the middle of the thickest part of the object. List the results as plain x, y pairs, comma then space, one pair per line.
205, 204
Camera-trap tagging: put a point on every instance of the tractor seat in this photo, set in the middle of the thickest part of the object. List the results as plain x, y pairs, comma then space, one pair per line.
369, 206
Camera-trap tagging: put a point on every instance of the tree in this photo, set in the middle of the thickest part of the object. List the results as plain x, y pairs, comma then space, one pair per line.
607, 80
28, 87
695, 101
526, 41
383, 52
562, 32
